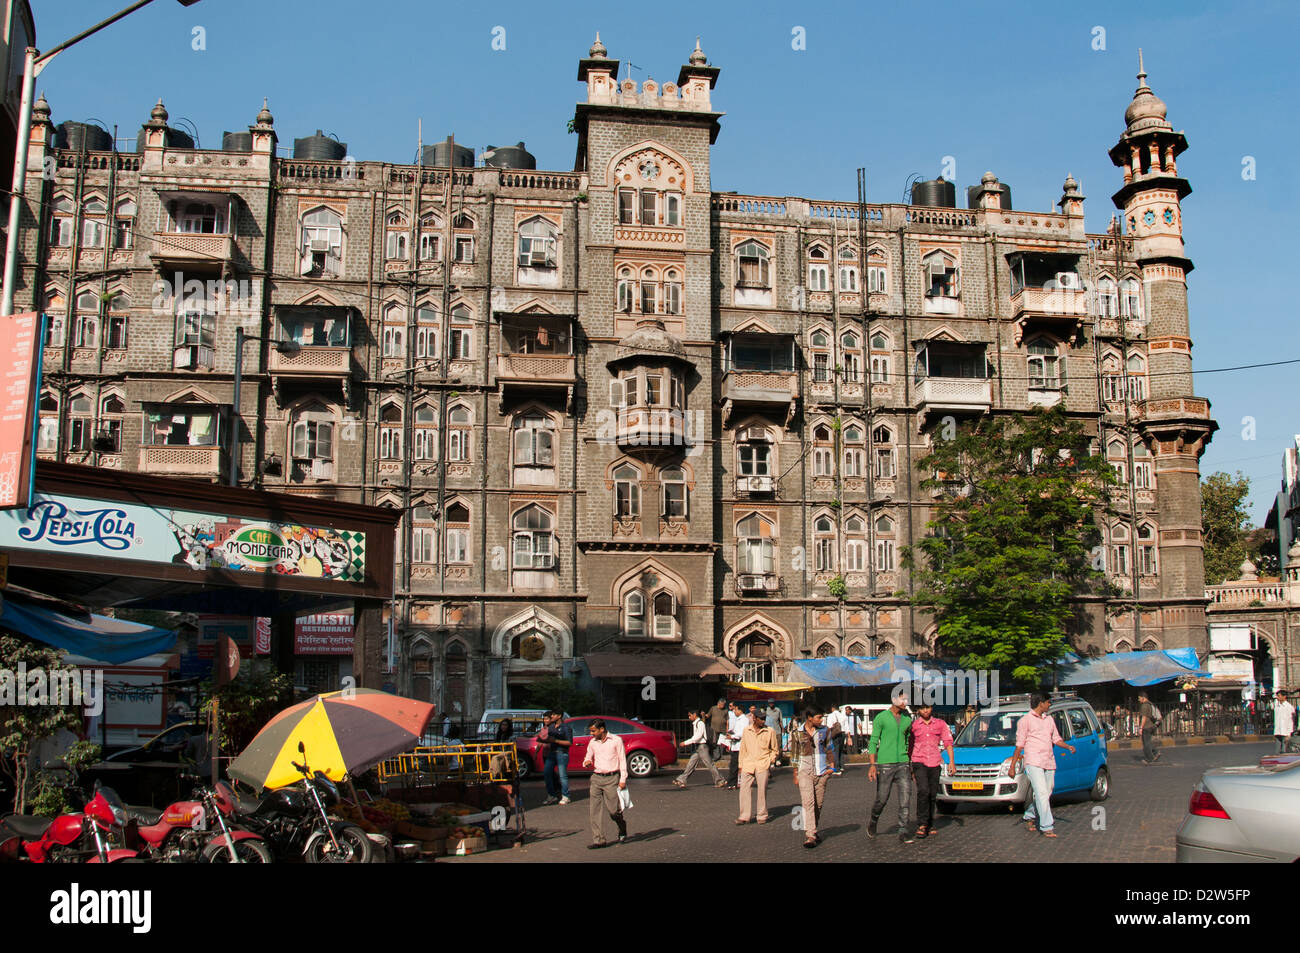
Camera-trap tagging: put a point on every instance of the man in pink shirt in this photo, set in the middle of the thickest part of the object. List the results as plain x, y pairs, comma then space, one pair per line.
1036, 735
608, 762
928, 733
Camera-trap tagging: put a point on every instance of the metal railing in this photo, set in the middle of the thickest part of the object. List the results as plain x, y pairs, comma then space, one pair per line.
1214, 719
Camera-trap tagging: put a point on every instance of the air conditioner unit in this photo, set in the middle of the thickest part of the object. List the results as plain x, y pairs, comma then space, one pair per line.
1067, 279
320, 244
751, 583
756, 484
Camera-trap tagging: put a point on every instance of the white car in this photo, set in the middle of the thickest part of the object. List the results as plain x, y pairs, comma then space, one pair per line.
1243, 815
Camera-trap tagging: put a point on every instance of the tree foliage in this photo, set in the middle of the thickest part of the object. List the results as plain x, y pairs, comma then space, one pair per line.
22, 726
1013, 536
1223, 525
245, 705
562, 695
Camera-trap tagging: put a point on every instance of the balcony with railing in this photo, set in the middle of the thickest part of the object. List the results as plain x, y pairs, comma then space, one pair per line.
758, 372
538, 354
324, 338
952, 377
172, 460
647, 426
195, 230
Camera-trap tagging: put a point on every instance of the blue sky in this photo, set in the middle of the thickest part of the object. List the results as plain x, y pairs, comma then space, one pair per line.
1018, 89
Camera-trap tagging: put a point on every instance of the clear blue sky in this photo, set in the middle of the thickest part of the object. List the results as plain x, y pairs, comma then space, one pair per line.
1018, 89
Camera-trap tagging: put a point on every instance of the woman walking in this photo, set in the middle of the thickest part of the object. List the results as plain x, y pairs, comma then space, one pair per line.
698, 745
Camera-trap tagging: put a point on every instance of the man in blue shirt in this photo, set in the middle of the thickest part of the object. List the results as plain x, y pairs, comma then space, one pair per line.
556, 739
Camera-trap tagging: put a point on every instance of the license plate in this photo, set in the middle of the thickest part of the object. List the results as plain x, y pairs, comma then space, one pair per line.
967, 786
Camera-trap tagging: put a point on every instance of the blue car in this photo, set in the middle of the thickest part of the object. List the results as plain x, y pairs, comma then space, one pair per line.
984, 746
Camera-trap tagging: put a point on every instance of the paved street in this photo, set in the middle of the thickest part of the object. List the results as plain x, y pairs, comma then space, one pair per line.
666, 824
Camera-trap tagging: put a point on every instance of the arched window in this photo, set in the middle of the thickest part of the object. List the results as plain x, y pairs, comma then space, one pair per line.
853, 452
823, 452
430, 238
61, 223
197, 218
649, 291
108, 439
458, 549
824, 544
855, 544
883, 453
390, 432
752, 265
634, 614
1137, 378
427, 332
396, 239
754, 453
851, 356
119, 313
1044, 364
459, 421
1146, 541
534, 542
665, 609
884, 543
81, 411
534, 441
857, 650
626, 290
93, 226
462, 334
123, 219
85, 326
424, 534
47, 438
818, 269
394, 330
1119, 552
848, 269
1143, 476
1107, 297
321, 250
426, 432
627, 492
941, 279
537, 243
819, 342
1130, 299
877, 275
754, 653
825, 650
673, 481
463, 239
672, 292
879, 358
311, 443
755, 545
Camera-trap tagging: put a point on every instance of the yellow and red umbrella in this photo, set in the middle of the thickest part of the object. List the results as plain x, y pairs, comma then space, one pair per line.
343, 733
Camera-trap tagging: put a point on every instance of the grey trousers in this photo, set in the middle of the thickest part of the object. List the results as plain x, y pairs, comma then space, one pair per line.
603, 796
700, 759
887, 777
812, 792
1148, 745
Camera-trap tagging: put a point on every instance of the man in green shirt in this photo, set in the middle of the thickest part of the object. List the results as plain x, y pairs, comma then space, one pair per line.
891, 765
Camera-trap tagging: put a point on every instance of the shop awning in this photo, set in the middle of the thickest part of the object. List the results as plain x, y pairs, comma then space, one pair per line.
775, 688
97, 637
834, 672
1135, 668
626, 665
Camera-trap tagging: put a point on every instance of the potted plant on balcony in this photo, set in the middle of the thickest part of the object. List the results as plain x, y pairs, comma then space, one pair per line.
103, 442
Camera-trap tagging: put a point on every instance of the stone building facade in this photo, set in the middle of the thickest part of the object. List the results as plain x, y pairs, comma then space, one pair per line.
638, 426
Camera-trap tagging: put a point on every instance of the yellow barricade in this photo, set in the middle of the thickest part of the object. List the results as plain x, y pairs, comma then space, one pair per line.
473, 763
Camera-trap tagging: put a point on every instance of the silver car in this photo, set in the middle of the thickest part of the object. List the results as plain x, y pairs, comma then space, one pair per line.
1243, 815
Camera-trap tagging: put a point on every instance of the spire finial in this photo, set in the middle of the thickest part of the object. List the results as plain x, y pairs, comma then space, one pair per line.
597, 51
1142, 70
697, 57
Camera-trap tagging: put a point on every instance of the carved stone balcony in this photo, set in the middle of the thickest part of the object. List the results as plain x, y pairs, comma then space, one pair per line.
763, 390
527, 373
195, 251
1059, 310
181, 460
957, 395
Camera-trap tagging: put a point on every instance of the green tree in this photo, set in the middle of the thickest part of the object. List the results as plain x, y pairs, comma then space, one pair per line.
245, 705
1223, 525
1013, 538
22, 726
562, 695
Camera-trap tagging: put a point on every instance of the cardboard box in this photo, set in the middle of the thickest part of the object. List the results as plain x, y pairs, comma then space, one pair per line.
467, 845
421, 831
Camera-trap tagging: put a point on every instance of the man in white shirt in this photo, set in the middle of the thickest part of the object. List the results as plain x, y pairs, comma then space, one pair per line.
1283, 720
835, 723
737, 722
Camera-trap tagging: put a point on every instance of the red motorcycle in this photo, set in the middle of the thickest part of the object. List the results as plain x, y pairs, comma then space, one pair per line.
69, 838
183, 832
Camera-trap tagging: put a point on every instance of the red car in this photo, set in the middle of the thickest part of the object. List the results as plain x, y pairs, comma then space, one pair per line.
647, 748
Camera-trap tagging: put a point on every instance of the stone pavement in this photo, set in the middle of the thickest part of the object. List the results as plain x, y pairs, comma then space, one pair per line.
1135, 825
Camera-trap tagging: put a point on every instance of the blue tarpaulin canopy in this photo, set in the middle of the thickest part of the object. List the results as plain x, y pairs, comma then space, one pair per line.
98, 637
1136, 668
860, 672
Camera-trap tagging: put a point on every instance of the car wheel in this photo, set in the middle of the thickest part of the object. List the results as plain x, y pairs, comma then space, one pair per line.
641, 764
525, 769
947, 808
1100, 787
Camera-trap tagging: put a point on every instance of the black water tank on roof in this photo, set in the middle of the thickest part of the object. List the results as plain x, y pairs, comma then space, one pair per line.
509, 157
935, 193
319, 146
973, 195
79, 135
236, 142
439, 154
176, 139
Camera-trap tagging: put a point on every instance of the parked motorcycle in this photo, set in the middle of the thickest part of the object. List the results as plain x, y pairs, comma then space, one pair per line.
183, 831
294, 821
92, 836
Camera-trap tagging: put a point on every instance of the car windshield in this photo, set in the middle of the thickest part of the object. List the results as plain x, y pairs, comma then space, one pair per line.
990, 728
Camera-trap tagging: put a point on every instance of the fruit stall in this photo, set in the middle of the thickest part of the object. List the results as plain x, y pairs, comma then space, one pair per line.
449, 800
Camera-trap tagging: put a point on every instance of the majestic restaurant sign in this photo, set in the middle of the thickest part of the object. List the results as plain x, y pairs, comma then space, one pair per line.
200, 540
324, 634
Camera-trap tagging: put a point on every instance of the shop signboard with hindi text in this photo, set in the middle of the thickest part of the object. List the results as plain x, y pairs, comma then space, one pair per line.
324, 634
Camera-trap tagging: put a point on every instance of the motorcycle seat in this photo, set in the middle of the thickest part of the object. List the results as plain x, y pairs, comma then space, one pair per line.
26, 826
249, 806
144, 816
